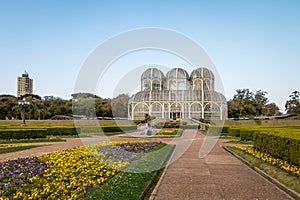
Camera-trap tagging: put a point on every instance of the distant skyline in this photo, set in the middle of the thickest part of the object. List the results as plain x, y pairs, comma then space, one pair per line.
253, 44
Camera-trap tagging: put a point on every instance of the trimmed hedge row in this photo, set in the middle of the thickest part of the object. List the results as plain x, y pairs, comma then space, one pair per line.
281, 144
37, 133
118, 128
26, 133
218, 129
62, 131
22, 134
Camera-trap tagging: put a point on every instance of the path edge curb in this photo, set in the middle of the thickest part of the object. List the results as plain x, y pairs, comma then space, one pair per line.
160, 178
279, 185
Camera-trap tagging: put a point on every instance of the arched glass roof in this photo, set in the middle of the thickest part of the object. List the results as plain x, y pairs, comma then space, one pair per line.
177, 73
203, 73
152, 73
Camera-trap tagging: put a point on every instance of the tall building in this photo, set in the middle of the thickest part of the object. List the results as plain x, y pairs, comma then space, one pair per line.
25, 85
178, 95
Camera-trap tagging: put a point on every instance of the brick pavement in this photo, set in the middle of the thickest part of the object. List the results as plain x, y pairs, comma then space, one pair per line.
219, 175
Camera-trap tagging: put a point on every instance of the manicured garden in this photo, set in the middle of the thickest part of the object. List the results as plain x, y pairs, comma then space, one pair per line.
274, 150
81, 172
15, 147
170, 132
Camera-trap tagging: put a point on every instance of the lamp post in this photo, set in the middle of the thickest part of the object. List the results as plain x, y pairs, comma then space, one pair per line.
23, 103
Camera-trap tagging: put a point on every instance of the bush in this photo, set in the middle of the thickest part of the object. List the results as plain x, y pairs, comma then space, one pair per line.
234, 131
62, 131
279, 143
218, 129
22, 133
247, 135
118, 128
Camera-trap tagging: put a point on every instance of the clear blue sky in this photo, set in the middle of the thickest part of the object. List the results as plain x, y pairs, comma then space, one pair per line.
254, 44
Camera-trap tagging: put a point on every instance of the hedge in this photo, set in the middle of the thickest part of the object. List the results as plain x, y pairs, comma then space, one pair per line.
62, 131
218, 129
282, 144
118, 128
22, 133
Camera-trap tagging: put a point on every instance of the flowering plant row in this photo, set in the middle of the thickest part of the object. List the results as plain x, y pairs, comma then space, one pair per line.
67, 174
173, 131
271, 160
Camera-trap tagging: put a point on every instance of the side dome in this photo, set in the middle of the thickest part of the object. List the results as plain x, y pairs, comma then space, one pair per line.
152, 73
177, 73
202, 73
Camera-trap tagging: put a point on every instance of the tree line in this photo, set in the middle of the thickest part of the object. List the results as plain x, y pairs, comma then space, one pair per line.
81, 104
243, 104
249, 104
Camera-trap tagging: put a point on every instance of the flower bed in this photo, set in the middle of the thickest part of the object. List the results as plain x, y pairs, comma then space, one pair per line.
272, 160
172, 132
68, 174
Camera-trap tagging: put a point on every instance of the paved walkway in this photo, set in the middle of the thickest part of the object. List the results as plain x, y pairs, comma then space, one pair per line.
217, 176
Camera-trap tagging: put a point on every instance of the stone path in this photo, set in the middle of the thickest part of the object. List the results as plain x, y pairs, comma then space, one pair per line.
219, 175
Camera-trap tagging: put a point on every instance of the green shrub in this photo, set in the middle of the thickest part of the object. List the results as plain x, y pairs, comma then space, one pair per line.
62, 131
234, 131
118, 128
279, 143
247, 134
22, 133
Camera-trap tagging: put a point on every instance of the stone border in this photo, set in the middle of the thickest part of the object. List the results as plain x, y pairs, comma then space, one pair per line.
152, 195
283, 188
154, 182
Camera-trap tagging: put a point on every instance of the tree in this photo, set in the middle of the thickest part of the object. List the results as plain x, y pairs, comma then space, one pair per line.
246, 104
292, 106
271, 109
119, 105
7, 102
242, 104
260, 101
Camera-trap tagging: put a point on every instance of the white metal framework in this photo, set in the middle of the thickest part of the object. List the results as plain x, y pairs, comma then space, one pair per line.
178, 95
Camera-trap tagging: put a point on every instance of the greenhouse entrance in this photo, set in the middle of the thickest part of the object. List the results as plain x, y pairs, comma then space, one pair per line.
175, 115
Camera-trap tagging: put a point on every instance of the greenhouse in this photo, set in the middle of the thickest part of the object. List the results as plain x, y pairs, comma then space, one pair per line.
178, 95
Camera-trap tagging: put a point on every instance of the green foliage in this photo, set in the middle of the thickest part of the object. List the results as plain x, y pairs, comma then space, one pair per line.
16, 148
62, 131
22, 133
248, 104
292, 106
284, 144
44, 108
258, 122
280, 142
218, 129
117, 128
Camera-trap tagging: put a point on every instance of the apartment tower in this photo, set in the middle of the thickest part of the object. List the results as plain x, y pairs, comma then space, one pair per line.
25, 85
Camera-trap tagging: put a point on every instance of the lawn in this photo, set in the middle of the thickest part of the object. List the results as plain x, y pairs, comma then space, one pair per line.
13, 148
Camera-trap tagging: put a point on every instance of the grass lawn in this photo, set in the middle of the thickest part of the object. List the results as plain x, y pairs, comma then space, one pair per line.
239, 142
130, 185
66, 122
15, 141
16, 148
287, 179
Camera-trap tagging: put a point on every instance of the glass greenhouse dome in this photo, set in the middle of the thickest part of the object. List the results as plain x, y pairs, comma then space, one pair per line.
178, 95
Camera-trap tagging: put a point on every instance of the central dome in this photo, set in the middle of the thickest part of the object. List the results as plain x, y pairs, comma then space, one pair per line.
177, 73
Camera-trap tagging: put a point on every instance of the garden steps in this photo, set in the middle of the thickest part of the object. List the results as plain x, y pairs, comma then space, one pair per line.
219, 175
